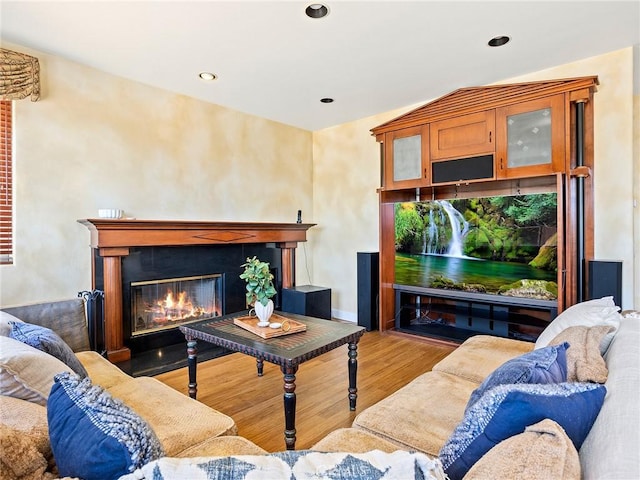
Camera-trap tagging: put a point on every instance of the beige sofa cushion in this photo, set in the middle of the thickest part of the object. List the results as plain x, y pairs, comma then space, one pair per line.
407, 417
480, 355
543, 451
222, 447
178, 420
353, 440
101, 371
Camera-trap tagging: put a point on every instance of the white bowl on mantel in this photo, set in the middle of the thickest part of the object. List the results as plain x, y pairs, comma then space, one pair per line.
110, 213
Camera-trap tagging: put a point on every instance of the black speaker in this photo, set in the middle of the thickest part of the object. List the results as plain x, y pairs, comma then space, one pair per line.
605, 279
308, 300
368, 287
462, 169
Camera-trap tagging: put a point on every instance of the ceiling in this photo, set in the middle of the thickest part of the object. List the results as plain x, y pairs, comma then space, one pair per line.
275, 62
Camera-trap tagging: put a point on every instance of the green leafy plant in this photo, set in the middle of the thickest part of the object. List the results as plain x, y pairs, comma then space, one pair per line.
259, 281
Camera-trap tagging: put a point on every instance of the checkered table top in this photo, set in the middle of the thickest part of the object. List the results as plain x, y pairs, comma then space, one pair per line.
320, 336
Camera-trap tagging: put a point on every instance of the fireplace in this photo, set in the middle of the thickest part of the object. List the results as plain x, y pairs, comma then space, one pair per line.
131, 259
158, 305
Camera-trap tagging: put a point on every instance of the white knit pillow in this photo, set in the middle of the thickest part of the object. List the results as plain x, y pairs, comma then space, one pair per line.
601, 311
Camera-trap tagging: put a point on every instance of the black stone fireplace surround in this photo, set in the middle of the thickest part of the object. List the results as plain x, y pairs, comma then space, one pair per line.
158, 263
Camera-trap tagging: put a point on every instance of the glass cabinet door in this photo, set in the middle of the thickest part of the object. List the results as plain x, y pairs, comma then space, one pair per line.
530, 138
406, 154
407, 158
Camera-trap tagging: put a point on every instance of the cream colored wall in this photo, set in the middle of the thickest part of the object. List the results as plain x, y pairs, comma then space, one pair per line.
344, 180
98, 141
346, 175
636, 175
636, 197
345, 203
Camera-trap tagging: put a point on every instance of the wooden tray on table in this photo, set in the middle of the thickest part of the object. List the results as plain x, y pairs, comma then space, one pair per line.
250, 323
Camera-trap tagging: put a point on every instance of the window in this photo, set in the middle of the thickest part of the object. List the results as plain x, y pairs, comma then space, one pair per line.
6, 184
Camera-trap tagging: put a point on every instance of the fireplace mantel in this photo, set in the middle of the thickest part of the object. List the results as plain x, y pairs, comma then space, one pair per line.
113, 238
145, 233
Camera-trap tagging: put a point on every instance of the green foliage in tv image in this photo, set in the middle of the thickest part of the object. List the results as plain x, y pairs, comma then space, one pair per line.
515, 235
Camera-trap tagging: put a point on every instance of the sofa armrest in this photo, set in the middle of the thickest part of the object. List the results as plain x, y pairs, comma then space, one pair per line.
611, 448
65, 317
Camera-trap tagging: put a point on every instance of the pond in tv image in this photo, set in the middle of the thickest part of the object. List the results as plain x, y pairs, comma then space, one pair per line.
481, 244
429, 270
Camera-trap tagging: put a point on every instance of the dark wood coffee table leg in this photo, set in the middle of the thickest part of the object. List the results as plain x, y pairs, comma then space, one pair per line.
353, 373
192, 361
289, 372
260, 365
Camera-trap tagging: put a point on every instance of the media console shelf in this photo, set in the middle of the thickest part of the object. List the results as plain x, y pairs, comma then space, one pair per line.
454, 315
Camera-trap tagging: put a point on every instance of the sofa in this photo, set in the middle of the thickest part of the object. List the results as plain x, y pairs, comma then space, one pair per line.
412, 429
423, 415
183, 426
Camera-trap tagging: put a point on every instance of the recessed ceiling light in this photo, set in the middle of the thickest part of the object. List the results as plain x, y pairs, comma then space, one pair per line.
316, 10
208, 76
326, 100
499, 41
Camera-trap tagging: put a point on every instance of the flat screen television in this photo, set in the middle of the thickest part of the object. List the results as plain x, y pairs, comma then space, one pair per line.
500, 245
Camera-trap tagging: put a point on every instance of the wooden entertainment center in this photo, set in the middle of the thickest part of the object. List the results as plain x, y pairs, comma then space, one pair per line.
480, 142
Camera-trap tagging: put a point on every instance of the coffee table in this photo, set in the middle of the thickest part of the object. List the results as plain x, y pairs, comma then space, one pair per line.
288, 351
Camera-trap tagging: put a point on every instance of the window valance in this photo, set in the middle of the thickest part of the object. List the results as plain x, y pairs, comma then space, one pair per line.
19, 76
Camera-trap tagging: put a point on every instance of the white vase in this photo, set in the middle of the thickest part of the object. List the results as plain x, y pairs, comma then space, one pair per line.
264, 312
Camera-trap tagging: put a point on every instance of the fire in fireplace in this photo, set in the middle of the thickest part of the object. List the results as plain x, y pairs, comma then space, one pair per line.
167, 303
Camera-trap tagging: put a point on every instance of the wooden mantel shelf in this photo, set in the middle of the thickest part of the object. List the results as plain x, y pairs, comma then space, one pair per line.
113, 238
106, 233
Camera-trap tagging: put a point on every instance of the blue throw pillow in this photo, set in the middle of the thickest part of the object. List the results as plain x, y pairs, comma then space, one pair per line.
93, 435
507, 410
48, 341
545, 365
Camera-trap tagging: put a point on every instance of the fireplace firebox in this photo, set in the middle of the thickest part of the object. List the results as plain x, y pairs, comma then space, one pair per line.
168, 303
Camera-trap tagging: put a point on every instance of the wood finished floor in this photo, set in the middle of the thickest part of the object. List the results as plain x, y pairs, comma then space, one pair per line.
386, 362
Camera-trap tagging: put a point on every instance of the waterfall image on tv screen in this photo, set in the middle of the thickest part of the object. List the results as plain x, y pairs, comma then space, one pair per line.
505, 245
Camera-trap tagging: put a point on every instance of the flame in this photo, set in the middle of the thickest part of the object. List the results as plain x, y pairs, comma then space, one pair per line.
170, 309
167, 306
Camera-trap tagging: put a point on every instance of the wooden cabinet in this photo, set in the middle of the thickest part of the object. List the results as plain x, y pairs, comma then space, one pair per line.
519, 140
508, 139
406, 157
465, 136
531, 138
